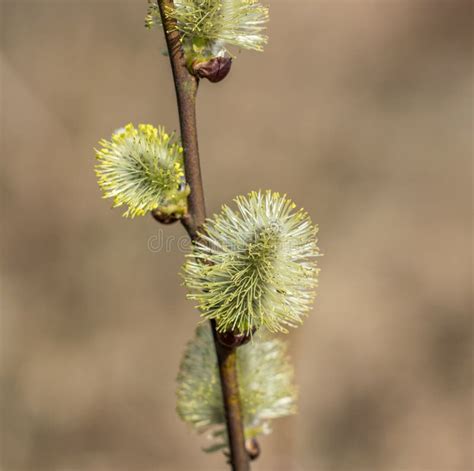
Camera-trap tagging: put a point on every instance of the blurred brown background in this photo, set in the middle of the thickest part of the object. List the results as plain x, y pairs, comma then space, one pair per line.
361, 112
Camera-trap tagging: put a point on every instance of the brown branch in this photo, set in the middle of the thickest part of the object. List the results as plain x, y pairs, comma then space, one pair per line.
227, 361
186, 86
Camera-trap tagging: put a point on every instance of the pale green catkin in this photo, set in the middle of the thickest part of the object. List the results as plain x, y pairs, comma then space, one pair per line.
208, 25
265, 384
256, 266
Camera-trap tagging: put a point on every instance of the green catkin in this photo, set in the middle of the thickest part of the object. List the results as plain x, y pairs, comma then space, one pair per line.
208, 25
255, 267
265, 382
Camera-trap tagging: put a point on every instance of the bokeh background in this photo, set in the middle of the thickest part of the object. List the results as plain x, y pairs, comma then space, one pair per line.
361, 111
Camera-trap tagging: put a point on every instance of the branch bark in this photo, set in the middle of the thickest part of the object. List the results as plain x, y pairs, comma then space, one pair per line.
186, 86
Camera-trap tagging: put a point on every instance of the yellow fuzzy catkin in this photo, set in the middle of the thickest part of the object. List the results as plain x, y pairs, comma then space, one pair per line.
143, 169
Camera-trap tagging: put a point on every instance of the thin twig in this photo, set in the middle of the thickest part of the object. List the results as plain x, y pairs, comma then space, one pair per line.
186, 86
227, 358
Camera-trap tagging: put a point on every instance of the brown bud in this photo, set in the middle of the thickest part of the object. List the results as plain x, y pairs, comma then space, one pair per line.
165, 218
232, 340
215, 69
252, 448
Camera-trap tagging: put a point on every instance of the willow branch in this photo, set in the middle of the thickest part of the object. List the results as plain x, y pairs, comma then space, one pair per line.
186, 86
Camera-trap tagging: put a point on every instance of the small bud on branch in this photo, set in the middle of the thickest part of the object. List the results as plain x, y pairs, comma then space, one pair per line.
214, 69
